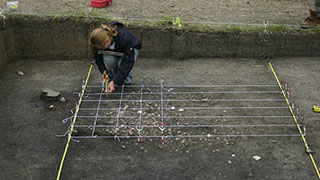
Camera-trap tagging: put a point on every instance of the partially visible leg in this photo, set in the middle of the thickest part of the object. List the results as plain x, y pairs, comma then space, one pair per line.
111, 63
128, 80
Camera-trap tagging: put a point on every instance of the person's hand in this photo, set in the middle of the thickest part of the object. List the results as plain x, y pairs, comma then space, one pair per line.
103, 77
111, 87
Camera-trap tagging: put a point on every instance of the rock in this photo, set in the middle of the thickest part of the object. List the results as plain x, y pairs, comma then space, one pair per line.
20, 73
230, 162
125, 107
49, 95
62, 99
181, 110
257, 158
51, 106
123, 147
75, 131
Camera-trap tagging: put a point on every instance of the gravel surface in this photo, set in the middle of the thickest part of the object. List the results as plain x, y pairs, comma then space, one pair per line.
205, 11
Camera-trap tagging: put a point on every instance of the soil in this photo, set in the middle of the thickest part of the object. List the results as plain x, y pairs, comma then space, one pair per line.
30, 149
203, 11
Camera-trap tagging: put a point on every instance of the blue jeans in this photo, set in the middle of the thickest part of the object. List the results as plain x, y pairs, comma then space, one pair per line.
112, 64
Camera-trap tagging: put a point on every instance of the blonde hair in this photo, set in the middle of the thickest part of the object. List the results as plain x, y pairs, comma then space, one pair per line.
99, 35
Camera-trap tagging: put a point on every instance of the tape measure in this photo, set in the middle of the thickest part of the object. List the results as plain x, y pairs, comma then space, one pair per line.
106, 78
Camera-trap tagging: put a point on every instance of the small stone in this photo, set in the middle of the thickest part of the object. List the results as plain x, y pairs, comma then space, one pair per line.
21, 73
274, 141
126, 107
181, 110
257, 158
233, 155
139, 112
50, 93
62, 99
208, 135
51, 106
224, 111
173, 108
230, 162
123, 147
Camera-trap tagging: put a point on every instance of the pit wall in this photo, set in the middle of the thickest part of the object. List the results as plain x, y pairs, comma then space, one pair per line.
66, 38
3, 55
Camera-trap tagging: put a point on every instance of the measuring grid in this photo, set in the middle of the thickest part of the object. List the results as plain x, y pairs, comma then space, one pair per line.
177, 111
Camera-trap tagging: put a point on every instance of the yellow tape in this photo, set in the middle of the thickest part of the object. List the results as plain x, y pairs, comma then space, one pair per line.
294, 117
106, 83
73, 123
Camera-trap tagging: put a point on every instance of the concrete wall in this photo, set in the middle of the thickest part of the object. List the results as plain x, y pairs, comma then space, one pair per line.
30, 37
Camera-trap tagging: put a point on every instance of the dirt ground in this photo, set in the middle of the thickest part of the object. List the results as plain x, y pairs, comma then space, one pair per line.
203, 11
30, 149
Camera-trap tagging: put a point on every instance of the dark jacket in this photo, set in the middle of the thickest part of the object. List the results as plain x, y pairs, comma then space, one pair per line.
125, 43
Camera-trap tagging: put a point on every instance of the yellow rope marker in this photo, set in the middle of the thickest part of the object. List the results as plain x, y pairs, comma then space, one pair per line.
73, 123
294, 117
